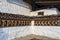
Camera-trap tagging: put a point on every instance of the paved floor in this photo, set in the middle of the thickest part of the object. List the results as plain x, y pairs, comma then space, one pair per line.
34, 37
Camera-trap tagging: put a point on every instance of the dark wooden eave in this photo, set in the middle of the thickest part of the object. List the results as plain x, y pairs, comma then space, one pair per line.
28, 1
47, 2
43, 2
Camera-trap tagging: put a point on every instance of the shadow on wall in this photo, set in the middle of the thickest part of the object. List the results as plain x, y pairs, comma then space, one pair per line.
35, 37
19, 3
3, 35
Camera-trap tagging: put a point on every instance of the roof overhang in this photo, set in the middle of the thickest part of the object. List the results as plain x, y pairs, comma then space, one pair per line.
43, 2
47, 2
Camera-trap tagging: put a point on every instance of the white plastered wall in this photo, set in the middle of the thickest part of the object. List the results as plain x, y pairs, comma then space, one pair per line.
52, 11
15, 7
16, 32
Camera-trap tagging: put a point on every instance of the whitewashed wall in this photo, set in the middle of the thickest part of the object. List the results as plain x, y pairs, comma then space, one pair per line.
16, 32
52, 11
15, 7
13, 32
49, 31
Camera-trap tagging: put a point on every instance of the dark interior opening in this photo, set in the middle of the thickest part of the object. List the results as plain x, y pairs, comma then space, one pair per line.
40, 13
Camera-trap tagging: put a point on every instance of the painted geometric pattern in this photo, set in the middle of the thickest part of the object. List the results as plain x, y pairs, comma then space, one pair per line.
7, 20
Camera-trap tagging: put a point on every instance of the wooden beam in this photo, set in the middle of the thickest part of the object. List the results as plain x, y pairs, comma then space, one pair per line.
48, 2
28, 1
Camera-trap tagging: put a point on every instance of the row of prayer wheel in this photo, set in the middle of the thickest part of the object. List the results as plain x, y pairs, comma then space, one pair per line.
46, 23
7, 23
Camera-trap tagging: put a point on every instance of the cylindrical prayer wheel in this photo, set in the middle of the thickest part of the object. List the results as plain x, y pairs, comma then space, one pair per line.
15, 22
8, 23
3, 23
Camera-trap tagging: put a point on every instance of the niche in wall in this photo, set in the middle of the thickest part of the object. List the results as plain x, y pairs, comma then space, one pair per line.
40, 13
